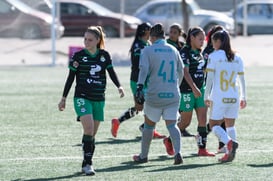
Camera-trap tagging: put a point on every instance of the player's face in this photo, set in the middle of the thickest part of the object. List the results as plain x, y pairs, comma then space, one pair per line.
174, 34
216, 44
146, 35
90, 40
153, 39
197, 41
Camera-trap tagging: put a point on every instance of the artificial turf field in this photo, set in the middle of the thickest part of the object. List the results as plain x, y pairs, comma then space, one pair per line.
40, 143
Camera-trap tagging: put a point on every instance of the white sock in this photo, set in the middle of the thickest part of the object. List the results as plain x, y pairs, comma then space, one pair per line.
231, 131
221, 134
147, 136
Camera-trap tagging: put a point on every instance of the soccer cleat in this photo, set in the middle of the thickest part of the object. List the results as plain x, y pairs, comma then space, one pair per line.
225, 158
185, 133
137, 159
157, 135
228, 157
234, 148
115, 126
178, 159
204, 152
88, 170
168, 145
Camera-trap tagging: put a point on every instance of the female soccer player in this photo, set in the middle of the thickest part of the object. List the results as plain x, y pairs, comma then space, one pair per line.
141, 40
174, 39
209, 49
162, 68
192, 90
175, 31
222, 94
89, 67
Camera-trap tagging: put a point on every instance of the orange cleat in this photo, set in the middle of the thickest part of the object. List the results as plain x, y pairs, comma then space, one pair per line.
157, 135
115, 126
168, 145
138, 159
228, 157
205, 152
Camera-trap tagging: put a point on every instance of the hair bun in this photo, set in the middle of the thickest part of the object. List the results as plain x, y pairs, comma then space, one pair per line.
157, 30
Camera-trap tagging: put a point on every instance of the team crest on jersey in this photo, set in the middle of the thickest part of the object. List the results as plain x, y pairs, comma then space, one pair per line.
83, 109
196, 57
102, 59
75, 64
84, 59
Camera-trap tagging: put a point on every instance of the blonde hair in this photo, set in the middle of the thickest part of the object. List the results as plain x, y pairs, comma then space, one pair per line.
99, 34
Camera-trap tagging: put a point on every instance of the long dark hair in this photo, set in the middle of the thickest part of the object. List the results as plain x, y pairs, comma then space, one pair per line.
181, 33
193, 32
223, 36
140, 32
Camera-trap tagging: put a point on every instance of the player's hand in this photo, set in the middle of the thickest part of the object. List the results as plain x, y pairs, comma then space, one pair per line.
196, 92
139, 107
121, 92
139, 95
61, 104
242, 104
207, 103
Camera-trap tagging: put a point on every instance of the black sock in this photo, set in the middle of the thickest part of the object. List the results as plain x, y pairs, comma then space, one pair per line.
88, 146
202, 141
221, 145
141, 127
223, 125
208, 128
127, 114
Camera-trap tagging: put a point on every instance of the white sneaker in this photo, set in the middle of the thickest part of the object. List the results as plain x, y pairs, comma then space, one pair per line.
222, 150
88, 170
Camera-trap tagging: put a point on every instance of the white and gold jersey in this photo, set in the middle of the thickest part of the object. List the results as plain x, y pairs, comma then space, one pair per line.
222, 84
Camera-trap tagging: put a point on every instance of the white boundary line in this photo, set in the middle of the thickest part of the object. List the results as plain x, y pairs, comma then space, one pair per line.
111, 156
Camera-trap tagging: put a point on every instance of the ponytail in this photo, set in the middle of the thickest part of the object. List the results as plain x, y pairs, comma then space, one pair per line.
193, 32
99, 34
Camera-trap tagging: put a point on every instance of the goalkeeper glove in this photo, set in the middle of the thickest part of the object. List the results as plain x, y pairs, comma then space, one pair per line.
139, 96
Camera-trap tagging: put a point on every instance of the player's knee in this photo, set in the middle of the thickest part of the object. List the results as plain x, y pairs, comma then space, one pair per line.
147, 126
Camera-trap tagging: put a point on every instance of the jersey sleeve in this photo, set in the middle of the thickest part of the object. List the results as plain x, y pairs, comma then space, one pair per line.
73, 63
241, 65
180, 68
108, 59
241, 79
210, 64
143, 66
185, 57
210, 70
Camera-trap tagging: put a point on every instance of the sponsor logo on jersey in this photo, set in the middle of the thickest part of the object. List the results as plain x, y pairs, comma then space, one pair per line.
229, 100
94, 69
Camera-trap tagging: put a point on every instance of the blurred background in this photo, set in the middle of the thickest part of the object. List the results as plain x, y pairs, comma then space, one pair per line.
33, 32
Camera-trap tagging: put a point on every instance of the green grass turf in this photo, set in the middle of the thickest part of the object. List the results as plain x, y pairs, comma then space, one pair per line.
40, 143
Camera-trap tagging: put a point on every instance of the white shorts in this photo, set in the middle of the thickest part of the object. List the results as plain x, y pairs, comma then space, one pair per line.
154, 114
218, 111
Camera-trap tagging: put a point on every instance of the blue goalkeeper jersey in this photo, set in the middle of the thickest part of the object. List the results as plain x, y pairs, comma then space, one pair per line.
162, 68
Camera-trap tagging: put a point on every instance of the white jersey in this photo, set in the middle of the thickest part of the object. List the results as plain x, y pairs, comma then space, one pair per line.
222, 84
162, 68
